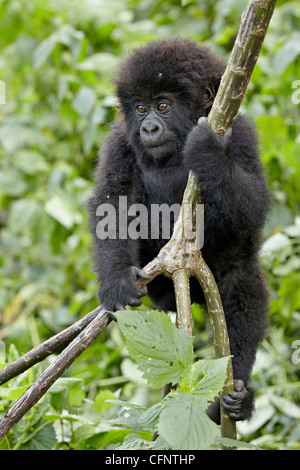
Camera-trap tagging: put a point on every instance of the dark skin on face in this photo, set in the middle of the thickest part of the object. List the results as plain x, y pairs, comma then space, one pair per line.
154, 116
164, 88
155, 134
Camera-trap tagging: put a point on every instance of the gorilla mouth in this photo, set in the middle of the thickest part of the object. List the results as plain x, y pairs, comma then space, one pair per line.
159, 150
156, 145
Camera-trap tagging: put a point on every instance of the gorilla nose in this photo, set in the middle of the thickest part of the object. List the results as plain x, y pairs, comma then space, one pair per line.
151, 132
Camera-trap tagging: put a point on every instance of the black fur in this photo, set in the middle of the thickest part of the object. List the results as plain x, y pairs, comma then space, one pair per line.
228, 169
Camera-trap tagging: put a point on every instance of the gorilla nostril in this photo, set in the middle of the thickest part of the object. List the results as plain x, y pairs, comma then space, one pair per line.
150, 128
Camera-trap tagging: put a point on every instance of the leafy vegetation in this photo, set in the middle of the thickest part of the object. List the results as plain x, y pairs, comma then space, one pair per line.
56, 60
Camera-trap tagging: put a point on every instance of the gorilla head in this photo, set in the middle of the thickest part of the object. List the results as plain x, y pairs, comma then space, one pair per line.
163, 89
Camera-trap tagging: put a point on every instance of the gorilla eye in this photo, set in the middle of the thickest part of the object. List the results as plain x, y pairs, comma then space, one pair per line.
162, 106
141, 109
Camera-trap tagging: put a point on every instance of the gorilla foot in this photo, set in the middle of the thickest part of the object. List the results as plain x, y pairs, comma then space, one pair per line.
239, 403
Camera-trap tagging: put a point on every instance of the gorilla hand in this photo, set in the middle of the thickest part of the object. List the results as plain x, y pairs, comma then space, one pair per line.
208, 154
239, 403
125, 290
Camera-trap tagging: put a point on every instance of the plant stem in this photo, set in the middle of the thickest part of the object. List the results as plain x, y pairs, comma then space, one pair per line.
183, 300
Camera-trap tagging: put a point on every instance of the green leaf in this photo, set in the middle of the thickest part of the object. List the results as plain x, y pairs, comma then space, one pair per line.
30, 162
84, 432
101, 404
287, 407
17, 392
64, 383
22, 213
138, 418
15, 135
42, 440
66, 35
293, 230
149, 418
224, 441
132, 406
100, 62
135, 442
184, 424
275, 243
76, 395
100, 440
161, 350
12, 183
84, 100
62, 211
128, 418
43, 51
287, 54
271, 142
205, 378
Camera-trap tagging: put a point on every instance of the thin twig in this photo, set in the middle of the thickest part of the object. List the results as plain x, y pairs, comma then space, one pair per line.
39, 353
53, 372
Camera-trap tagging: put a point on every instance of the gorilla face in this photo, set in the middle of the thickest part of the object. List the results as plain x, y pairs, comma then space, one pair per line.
155, 132
163, 90
162, 123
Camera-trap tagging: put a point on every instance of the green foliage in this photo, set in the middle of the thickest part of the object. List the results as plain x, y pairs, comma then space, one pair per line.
153, 342
69, 416
57, 59
164, 355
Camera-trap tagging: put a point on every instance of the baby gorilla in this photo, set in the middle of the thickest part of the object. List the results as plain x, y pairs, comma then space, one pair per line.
163, 90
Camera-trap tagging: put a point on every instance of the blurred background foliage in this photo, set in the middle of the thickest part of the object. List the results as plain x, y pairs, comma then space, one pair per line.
56, 59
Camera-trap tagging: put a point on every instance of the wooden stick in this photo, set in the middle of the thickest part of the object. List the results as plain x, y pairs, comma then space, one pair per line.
53, 372
39, 353
183, 300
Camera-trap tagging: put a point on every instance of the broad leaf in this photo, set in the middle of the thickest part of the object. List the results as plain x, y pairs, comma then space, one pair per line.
205, 378
84, 100
184, 424
135, 442
161, 350
138, 418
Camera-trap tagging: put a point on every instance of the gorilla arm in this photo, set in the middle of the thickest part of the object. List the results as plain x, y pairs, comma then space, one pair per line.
229, 171
115, 258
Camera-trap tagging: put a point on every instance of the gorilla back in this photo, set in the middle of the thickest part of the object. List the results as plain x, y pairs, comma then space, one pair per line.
163, 90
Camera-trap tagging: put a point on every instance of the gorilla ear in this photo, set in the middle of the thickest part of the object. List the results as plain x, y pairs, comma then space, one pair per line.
209, 96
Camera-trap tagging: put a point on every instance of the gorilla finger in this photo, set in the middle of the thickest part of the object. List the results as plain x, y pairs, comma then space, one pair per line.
202, 121
140, 273
239, 385
227, 140
231, 408
142, 291
235, 395
229, 401
228, 134
235, 416
135, 302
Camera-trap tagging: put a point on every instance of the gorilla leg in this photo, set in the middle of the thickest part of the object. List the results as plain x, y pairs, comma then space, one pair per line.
244, 299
